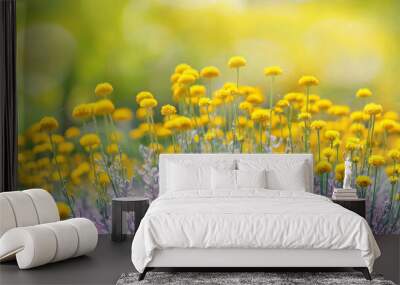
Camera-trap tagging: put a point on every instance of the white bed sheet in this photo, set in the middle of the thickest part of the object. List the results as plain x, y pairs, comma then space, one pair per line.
252, 218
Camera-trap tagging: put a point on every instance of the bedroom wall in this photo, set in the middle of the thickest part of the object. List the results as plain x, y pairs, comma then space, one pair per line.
85, 138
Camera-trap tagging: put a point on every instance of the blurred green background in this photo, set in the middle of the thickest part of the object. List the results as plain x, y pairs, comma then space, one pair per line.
66, 47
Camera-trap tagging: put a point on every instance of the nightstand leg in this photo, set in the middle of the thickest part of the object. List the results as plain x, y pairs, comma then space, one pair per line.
116, 231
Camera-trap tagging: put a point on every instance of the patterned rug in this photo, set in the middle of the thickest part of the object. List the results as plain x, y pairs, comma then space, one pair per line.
243, 278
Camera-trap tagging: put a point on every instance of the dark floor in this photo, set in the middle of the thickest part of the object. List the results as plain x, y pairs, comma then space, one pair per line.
110, 260
103, 266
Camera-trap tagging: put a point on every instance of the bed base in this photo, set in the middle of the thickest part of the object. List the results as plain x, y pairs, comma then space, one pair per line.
250, 259
363, 270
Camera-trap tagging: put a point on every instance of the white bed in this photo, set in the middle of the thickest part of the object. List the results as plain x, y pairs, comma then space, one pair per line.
248, 227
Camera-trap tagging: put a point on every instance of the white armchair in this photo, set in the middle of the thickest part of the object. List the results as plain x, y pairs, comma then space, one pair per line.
31, 230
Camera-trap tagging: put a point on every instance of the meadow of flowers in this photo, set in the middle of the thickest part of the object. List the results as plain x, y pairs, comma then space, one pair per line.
104, 157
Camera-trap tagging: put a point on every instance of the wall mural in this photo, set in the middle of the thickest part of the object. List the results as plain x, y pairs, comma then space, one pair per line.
89, 142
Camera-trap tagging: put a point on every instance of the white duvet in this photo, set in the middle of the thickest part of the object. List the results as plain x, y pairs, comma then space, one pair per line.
250, 219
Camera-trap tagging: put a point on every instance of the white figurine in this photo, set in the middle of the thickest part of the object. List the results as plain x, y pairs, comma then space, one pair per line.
347, 174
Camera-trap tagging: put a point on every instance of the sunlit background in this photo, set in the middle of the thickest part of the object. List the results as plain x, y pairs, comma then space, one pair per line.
65, 47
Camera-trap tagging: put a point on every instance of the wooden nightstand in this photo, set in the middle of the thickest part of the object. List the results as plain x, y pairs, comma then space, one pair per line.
355, 205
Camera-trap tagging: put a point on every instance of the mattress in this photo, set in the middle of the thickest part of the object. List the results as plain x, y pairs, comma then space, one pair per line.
250, 219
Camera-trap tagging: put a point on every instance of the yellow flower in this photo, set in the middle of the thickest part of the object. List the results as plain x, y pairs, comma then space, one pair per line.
143, 95
246, 106
82, 111
363, 93
122, 114
357, 116
163, 132
113, 149
156, 147
393, 179
363, 181
394, 154
357, 128
90, 140
103, 107
255, 99
66, 147
72, 132
332, 135
260, 115
45, 147
116, 136
352, 144
136, 134
236, 62
210, 135
48, 124
148, 103
104, 179
324, 104
283, 103
174, 77
291, 97
197, 90
388, 124
272, 71
64, 210
209, 72
168, 110
373, 109
141, 113
183, 123
103, 89
323, 167
186, 79
204, 101
304, 116
391, 170
308, 80
182, 67
328, 153
391, 115
376, 160
318, 125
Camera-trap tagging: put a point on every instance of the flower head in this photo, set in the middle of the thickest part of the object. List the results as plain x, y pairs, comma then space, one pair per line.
148, 103
63, 210
376, 160
209, 72
122, 114
308, 80
104, 179
65, 147
143, 95
197, 90
260, 115
103, 89
72, 132
332, 135
323, 167
363, 93
168, 110
272, 71
48, 124
394, 154
186, 79
103, 107
393, 179
304, 116
182, 67
82, 111
236, 62
318, 125
204, 101
363, 181
90, 140
373, 109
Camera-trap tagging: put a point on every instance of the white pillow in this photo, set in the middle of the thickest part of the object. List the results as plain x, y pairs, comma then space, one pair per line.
193, 174
181, 177
251, 178
223, 179
282, 174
